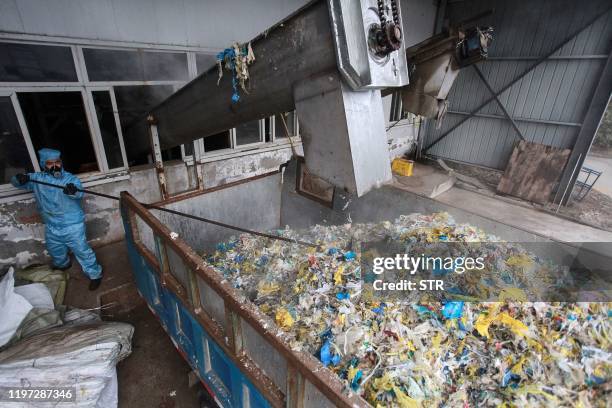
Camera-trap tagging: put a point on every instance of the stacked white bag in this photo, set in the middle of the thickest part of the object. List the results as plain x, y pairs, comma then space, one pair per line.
82, 353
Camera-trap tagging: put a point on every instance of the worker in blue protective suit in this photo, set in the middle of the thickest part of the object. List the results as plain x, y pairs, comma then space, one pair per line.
62, 214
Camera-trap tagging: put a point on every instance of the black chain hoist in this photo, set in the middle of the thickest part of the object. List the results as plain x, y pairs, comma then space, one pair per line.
386, 37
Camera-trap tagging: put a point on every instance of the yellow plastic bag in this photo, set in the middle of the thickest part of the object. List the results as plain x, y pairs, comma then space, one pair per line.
283, 318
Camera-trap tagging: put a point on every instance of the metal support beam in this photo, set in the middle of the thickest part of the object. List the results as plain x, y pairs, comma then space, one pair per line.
567, 39
501, 105
157, 156
590, 124
343, 133
517, 119
553, 58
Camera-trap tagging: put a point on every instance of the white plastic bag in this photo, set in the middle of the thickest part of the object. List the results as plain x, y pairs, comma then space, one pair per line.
13, 308
37, 294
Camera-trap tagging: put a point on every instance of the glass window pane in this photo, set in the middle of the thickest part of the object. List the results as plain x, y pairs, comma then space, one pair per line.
14, 157
173, 153
113, 65
279, 128
108, 128
204, 62
165, 66
36, 63
57, 120
188, 149
126, 65
248, 133
219, 141
133, 103
267, 129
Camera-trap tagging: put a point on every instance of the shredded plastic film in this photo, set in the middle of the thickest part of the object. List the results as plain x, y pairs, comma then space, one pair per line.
430, 353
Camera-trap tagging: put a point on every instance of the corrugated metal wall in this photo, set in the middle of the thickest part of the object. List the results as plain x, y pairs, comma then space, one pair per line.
550, 102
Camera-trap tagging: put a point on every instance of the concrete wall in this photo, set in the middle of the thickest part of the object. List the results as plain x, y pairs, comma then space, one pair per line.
22, 232
402, 137
254, 205
385, 203
228, 170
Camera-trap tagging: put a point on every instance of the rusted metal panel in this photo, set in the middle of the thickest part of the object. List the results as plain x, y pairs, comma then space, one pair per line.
159, 163
192, 194
144, 251
264, 355
295, 388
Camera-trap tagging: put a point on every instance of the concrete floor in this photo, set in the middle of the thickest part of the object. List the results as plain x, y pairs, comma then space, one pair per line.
504, 212
527, 219
154, 375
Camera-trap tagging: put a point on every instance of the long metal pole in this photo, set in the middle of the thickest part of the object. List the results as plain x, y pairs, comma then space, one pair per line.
567, 186
517, 119
592, 119
193, 217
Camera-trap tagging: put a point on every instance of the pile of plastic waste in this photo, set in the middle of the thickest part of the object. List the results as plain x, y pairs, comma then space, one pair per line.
429, 353
45, 344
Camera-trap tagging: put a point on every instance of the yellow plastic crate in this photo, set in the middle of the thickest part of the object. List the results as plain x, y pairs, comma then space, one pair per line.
402, 167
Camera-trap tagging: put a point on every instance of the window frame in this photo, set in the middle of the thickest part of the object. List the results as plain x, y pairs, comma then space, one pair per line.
88, 82
227, 150
202, 156
262, 137
96, 138
85, 87
98, 131
195, 61
296, 126
21, 121
44, 84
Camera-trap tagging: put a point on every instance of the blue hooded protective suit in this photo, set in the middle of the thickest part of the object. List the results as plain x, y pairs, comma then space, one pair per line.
63, 217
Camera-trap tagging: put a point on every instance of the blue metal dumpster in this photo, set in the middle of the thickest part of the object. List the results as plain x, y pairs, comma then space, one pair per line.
237, 351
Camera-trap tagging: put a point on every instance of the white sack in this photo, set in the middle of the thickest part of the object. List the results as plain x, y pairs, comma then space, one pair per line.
82, 356
13, 308
37, 294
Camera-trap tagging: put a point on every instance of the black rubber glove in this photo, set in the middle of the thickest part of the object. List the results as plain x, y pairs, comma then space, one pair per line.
70, 189
22, 178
